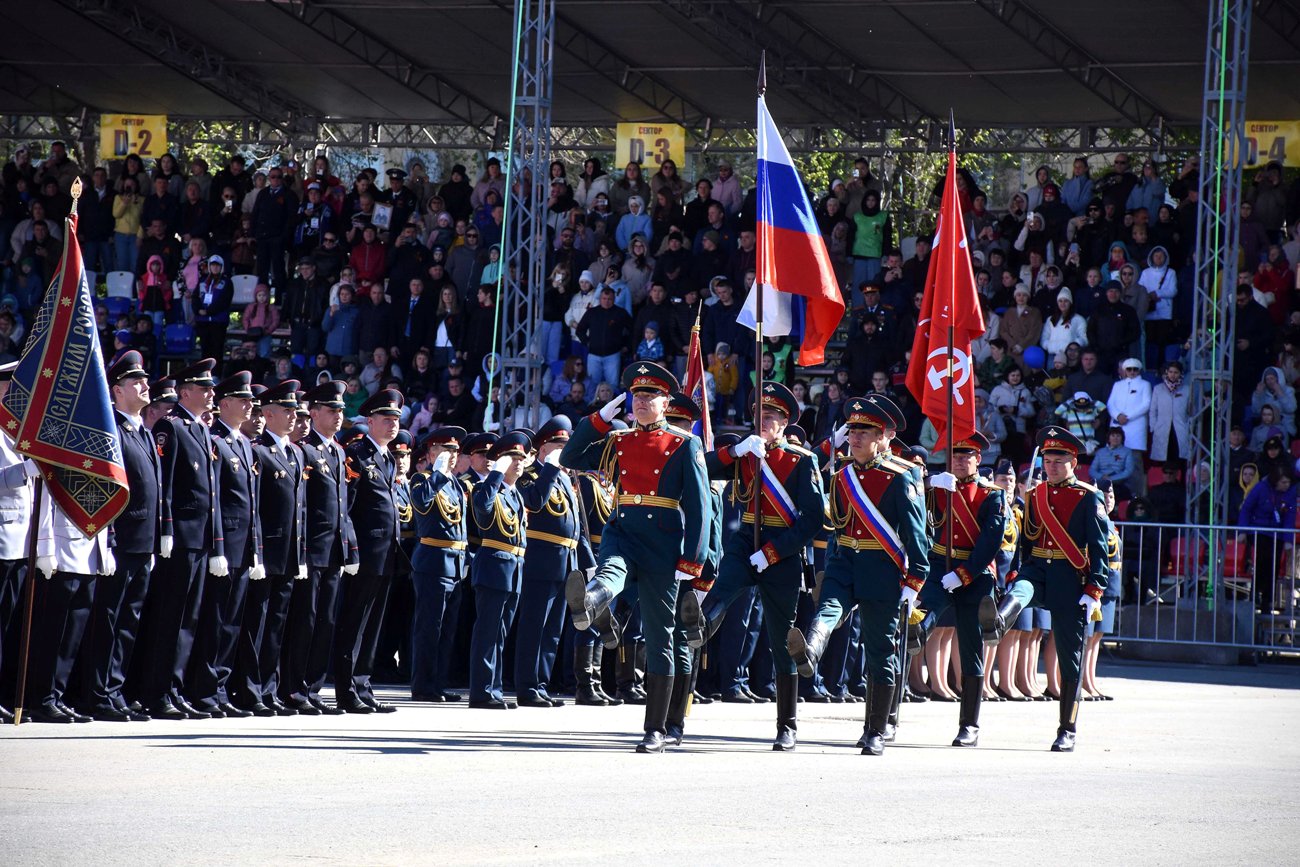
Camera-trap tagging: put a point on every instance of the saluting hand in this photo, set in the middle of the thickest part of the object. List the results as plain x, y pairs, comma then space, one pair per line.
610, 410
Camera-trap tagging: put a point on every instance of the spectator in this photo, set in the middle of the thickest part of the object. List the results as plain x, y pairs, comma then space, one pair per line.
1014, 400
1169, 496
492, 181
1161, 284
573, 373
622, 191
415, 320
1089, 377
1269, 506
1064, 327
1022, 325
194, 215
591, 182
635, 222
1130, 403
1273, 390
380, 369
154, 289
342, 336
368, 259
210, 300
1118, 463
1267, 427
581, 301
866, 352
305, 302
1115, 186
127, 210
1244, 478
993, 369
457, 194
465, 263
1113, 329
261, 319
1149, 191
1169, 428
1080, 416
574, 404
1275, 281
273, 219
1253, 332
673, 266
605, 331
988, 421
1076, 192
651, 348
726, 189
724, 367
1268, 201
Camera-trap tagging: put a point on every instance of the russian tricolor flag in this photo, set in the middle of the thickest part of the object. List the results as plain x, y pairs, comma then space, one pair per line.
794, 269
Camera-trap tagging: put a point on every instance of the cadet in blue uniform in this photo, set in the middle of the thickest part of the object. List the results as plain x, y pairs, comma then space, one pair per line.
372, 505
498, 567
223, 602
556, 547
784, 496
659, 534
971, 512
441, 506
119, 598
1062, 566
878, 559
190, 548
331, 550
282, 509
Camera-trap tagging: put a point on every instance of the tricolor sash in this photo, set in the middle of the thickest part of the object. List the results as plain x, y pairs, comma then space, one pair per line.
875, 522
1056, 531
775, 493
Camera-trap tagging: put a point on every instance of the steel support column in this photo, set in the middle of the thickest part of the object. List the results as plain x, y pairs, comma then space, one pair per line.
524, 263
1227, 53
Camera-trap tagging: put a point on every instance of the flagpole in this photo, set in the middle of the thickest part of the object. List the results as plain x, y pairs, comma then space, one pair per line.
29, 600
952, 301
758, 353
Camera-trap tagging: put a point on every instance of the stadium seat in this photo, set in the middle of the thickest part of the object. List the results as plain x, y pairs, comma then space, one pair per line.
1180, 555
1121, 510
1237, 576
92, 278
121, 284
117, 307
245, 289
178, 339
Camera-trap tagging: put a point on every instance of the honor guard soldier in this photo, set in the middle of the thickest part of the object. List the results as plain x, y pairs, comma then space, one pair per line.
596, 498
969, 518
16, 473
1062, 567
498, 568
282, 510
372, 504
119, 598
331, 550
191, 546
223, 604
441, 506
878, 559
781, 485
556, 547
659, 534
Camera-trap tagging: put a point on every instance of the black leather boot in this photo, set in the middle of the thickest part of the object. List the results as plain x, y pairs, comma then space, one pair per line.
585, 692
879, 698
597, 677
917, 635
996, 617
679, 705
701, 622
972, 691
625, 676
806, 650
787, 710
611, 631
585, 599
1065, 732
639, 669
659, 692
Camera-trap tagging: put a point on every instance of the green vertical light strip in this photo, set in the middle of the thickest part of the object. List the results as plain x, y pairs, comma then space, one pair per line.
1221, 257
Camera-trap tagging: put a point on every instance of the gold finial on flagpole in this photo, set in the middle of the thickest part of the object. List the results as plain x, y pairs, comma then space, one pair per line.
76, 194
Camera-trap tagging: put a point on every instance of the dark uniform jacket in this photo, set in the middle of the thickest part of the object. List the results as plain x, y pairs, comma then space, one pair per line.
502, 524
239, 497
372, 503
137, 529
331, 540
191, 494
282, 505
441, 506
556, 545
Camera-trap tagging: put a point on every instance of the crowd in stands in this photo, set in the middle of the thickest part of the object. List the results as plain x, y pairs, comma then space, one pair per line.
1085, 282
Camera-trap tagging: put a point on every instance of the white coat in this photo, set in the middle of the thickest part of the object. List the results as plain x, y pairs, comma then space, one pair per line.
61, 541
16, 474
1168, 413
1131, 398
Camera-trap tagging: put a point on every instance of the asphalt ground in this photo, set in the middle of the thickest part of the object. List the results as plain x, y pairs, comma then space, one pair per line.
1188, 764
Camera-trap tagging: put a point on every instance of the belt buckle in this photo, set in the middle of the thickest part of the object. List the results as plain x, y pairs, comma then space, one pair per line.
636, 499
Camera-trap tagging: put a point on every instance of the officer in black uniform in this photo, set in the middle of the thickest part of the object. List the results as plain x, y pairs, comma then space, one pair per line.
282, 509
497, 570
402, 200
223, 602
372, 504
119, 598
331, 549
556, 547
191, 545
441, 506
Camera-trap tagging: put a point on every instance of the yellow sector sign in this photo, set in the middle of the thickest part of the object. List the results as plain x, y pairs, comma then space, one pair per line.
124, 134
649, 144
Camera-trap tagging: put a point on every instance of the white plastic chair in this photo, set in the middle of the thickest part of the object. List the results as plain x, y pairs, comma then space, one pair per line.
121, 284
245, 288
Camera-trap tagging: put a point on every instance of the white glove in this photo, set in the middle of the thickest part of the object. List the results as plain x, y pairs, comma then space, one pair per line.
152, 561
257, 573
609, 410
442, 463
679, 575
909, 596
351, 568
110, 563
45, 567
944, 481
750, 445
840, 435
758, 560
552, 458
218, 566
165, 547
302, 573
1091, 607
30, 469
500, 465
951, 581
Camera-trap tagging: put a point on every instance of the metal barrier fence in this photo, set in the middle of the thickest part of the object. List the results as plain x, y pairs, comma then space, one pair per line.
1216, 585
